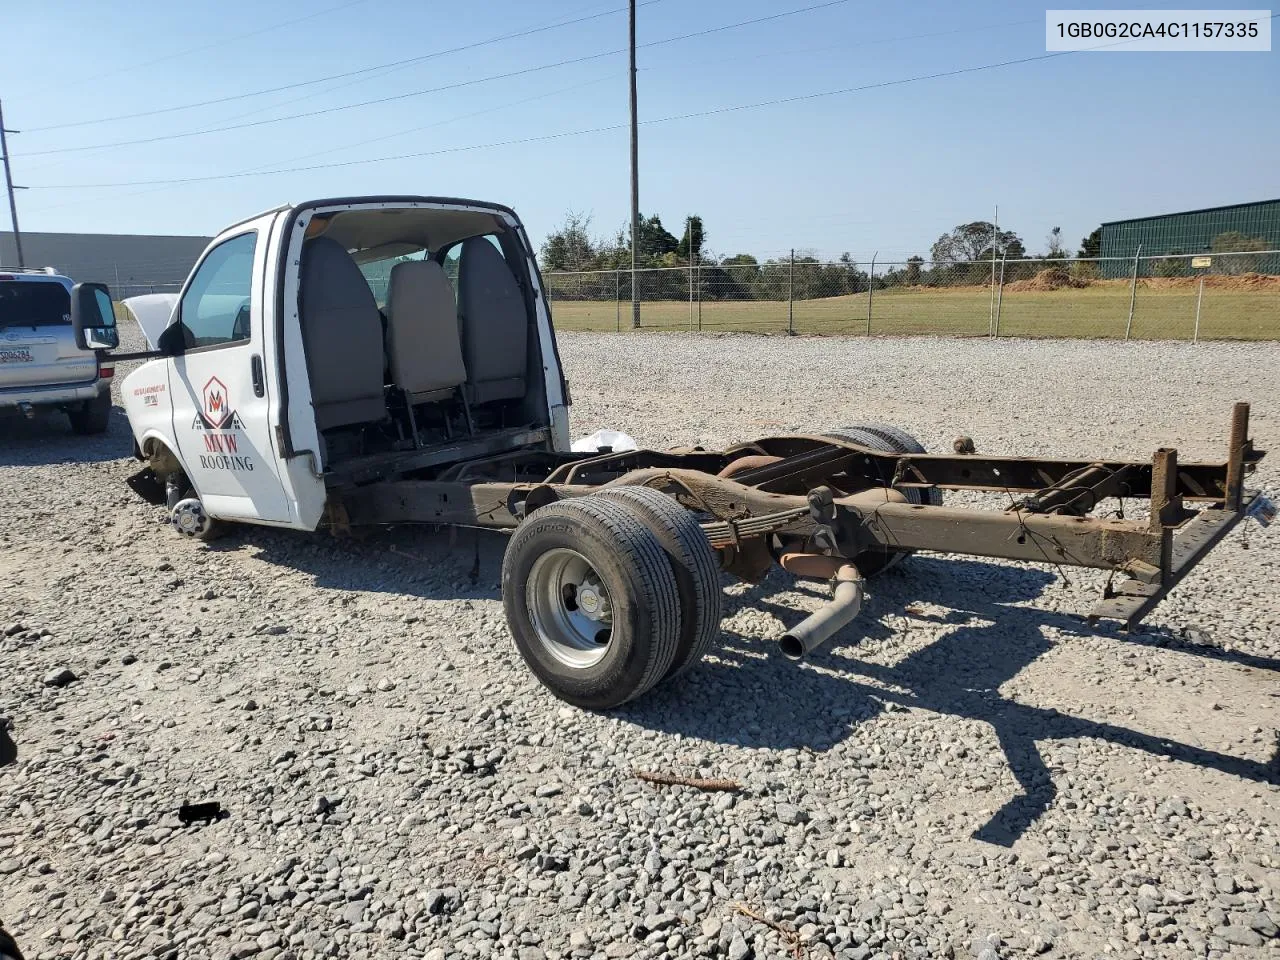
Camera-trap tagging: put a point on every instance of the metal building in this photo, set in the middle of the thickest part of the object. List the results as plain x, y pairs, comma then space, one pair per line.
128, 263
1192, 232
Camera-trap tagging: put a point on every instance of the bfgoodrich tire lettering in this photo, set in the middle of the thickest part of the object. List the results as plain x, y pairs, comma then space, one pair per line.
632, 568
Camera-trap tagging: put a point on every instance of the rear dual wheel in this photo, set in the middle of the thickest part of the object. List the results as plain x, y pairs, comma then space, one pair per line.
889, 439
610, 594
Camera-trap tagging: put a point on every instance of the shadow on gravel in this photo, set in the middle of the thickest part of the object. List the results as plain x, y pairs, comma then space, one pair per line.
8, 749
47, 439
958, 674
749, 696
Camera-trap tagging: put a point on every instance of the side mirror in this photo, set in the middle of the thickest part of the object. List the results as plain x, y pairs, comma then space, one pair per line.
93, 317
173, 341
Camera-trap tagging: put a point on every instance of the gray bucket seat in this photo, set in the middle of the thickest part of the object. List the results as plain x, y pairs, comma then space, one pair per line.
342, 337
422, 332
495, 326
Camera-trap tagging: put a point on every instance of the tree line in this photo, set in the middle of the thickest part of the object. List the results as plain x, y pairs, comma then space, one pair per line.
961, 256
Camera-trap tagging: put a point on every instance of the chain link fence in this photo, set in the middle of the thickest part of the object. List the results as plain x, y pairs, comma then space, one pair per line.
1185, 297
1182, 297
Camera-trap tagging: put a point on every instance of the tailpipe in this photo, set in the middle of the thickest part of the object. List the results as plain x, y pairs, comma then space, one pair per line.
818, 628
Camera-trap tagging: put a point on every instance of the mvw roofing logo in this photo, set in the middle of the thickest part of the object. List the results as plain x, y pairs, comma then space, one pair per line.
216, 411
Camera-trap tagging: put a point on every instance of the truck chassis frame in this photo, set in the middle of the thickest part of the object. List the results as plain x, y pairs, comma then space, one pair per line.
834, 501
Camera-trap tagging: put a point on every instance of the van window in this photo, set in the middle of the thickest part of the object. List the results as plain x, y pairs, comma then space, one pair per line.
31, 303
215, 308
377, 273
453, 259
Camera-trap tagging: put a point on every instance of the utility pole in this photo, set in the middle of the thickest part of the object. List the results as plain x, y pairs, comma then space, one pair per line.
8, 182
635, 180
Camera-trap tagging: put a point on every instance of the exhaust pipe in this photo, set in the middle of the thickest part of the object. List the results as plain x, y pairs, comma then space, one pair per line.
818, 628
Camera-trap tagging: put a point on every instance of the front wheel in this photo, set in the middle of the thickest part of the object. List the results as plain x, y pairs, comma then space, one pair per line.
591, 601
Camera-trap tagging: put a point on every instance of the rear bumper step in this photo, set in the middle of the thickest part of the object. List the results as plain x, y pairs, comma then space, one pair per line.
1132, 600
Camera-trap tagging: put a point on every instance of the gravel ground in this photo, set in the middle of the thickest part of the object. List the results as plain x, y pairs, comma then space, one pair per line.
967, 771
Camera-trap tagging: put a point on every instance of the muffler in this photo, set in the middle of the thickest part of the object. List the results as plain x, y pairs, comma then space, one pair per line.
819, 627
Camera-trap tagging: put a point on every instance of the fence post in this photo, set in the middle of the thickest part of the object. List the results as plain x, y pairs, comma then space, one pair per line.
1133, 293
617, 300
1195, 337
871, 289
698, 281
691, 288
1000, 291
791, 294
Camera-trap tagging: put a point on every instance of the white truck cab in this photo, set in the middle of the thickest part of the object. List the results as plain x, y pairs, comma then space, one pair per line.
338, 342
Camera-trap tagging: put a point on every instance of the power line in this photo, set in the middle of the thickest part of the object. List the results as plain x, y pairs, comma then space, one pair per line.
718, 111
418, 93
208, 46
348, 146
336, 76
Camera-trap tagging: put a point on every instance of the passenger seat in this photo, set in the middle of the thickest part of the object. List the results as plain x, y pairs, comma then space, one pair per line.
495, 326
342, 337
422, 332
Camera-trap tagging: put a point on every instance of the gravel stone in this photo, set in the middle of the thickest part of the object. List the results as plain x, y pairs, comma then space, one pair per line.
968, 769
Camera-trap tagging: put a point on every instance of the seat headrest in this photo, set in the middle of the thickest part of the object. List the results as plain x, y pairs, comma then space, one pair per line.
419, 285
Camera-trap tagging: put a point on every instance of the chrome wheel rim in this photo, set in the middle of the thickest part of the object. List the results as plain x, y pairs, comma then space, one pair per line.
571, 610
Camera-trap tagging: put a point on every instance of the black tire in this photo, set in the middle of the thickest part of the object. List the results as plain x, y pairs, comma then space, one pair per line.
92, 416
637, 582
694, 562
890, 439
8, 949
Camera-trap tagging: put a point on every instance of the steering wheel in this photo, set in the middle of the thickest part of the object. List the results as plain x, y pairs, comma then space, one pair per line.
240, 329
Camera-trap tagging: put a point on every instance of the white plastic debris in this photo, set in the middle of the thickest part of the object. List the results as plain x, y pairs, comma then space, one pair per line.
612, 439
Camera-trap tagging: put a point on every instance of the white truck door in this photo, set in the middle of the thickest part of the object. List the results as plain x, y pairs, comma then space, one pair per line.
220, 406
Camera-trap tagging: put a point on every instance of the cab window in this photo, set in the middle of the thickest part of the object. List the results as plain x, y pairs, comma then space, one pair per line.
452, 260
377, 273
215, 308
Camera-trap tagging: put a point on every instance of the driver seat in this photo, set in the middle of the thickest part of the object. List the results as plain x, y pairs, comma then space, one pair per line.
341, 337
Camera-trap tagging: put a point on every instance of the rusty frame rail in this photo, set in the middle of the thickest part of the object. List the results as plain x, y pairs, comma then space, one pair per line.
842, 500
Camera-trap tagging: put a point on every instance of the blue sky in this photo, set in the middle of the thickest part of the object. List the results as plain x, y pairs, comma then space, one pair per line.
1069, 141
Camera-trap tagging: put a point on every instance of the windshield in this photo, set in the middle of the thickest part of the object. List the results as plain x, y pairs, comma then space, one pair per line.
29, 304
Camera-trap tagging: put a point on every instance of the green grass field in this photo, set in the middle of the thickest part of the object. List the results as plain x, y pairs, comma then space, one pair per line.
1096, 311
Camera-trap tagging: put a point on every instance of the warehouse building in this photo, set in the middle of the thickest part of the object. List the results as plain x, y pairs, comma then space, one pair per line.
128, 263
1241, 226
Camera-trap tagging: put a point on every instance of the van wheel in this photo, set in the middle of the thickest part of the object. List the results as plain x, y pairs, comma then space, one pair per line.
190, 520
890, 439
92, 416
591, 601
694, 562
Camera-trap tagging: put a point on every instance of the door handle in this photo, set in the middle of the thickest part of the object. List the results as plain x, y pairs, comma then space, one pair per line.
259, 385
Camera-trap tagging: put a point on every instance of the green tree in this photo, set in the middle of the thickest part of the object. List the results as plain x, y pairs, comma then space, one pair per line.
972, 241
570, 247
1054, 242
692, 229
655, 240
1091, 246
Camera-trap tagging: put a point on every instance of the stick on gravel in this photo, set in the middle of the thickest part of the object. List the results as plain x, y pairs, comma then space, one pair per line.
699, 783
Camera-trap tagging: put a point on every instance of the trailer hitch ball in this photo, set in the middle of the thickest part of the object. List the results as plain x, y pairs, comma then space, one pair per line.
821, 626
